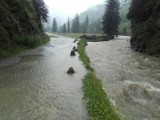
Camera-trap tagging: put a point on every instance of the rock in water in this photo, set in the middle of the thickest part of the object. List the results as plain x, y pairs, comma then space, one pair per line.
70, 70
72, 53
75, 49
78, 43
75, 40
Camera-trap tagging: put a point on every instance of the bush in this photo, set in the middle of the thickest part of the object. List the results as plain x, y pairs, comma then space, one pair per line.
22, 43
4, 38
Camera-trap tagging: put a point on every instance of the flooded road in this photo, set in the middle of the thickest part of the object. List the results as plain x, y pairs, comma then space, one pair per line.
34, 85
131, 79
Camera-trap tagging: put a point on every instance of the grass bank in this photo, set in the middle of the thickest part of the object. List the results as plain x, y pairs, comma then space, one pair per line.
77, 35
97, 102
72, 35
23, 43
87, 36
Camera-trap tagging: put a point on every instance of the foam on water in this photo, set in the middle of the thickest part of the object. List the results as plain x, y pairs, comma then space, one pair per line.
131, 79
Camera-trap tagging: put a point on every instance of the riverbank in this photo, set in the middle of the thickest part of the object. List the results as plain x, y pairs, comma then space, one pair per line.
97, 102
31, 42
37, 86
130, 79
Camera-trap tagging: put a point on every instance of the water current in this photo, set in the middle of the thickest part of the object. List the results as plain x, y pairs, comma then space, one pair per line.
35, 86
131, 79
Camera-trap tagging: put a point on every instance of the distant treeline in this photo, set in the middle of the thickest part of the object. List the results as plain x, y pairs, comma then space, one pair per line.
89, 23
75, 26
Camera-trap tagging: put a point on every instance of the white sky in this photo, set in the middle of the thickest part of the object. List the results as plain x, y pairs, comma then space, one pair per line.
71, 7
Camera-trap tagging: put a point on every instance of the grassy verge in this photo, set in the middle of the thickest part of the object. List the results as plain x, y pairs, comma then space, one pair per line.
75, 35
98, 104
88, 37
72, 35
24, 43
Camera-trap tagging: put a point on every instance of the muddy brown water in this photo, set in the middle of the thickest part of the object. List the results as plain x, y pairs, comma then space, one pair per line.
35, 86
131, 79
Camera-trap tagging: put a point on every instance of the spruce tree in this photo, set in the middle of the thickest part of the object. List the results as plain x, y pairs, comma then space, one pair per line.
61, 29
95, 26
82, 28
42, 10
76, 25
86, 24
68, 26
73, 26
64, 28
145, 26
111, 18
54, 25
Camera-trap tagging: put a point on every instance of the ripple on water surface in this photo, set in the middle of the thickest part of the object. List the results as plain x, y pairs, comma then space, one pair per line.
131, 79
38, 88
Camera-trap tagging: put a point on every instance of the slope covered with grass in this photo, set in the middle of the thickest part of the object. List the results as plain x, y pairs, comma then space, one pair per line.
20, 28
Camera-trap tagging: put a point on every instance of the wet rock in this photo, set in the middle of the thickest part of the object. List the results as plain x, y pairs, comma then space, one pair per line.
72, 53
146, 59
75, 40
70, 70
78, 43
75, 49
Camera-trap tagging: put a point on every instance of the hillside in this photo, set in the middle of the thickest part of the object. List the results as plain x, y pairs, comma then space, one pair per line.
20, 27
96, 12
93, 13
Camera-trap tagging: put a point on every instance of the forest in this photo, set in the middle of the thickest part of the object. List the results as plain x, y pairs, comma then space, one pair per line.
143, 25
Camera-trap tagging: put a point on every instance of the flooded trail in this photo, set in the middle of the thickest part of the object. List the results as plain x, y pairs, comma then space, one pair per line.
131, 79
35, 86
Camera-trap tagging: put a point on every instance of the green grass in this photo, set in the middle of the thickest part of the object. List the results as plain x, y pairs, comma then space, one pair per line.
72, 35
99, 37
97, 102
83, 56
75, 35
33, 41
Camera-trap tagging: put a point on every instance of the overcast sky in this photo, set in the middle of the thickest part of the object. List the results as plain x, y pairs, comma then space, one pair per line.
71, 7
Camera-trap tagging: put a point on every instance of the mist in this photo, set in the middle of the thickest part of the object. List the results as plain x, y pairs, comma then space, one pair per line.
61, 9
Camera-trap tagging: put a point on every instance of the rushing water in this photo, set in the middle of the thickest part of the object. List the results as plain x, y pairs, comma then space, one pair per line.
34, 85
131, 79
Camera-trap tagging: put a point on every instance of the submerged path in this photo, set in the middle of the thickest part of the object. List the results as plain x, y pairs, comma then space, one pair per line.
130, 79
34, 85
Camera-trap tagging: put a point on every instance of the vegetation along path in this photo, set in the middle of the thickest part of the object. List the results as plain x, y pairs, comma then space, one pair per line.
35, 85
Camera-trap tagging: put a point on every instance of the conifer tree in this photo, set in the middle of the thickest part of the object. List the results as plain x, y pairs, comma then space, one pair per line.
111, 18
73, 26
95, 26
68, 26
86, 24
41, 9
54, 25
61, 28
64, 28
145, 25
76, 25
